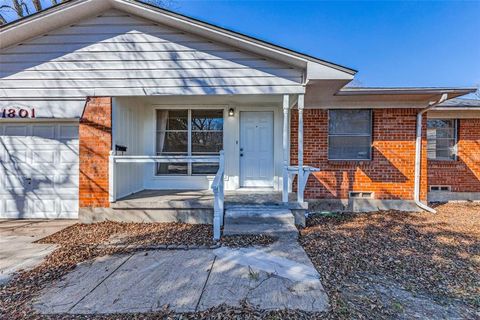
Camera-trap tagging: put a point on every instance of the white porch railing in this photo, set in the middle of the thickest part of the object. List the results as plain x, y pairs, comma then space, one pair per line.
291, 172
219, 197
217, 184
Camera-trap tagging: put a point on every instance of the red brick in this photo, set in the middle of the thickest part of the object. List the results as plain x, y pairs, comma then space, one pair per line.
390, 173
95, 134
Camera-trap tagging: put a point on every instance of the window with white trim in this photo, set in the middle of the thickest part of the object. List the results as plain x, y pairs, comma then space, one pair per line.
442, 139
188, 132
349, 134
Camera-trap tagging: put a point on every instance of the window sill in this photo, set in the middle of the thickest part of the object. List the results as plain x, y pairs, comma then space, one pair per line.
444, 161
349, 162
167, 177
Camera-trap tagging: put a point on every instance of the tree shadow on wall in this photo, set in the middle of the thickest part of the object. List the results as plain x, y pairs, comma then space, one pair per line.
338, 177
23, 184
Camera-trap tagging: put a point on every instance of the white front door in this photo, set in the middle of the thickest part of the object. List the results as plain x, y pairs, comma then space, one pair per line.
256, 149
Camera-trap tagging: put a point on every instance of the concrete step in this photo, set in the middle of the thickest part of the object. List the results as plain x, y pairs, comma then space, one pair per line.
271, 229
258, 215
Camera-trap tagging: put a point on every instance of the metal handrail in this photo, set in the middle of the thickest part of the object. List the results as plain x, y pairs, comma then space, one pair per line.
218, 188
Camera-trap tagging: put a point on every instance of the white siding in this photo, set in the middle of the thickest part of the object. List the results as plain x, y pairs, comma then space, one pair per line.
118, 55
128, 131
146, 106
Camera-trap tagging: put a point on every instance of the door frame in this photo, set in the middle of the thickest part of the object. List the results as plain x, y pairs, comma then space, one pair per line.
240, 177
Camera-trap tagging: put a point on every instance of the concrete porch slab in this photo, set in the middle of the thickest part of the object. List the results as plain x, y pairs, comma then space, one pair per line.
188, 206
188, 199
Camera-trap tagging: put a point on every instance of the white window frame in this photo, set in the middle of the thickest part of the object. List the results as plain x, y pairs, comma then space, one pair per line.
455, 139
224, 108
370, 155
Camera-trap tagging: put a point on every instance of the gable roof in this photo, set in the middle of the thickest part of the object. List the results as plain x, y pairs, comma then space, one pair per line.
74, 10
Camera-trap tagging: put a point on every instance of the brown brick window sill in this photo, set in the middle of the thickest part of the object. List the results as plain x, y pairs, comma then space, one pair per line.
437, 163
349, 163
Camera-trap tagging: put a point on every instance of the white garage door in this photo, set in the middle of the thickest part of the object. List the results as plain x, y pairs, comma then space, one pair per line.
39, 170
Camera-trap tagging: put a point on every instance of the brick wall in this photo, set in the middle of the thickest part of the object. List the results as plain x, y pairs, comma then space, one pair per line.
462, 175
390, 173
95, 134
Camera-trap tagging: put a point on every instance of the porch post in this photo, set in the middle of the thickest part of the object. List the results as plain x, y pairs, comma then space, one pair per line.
286, 140
300, 105
112, 190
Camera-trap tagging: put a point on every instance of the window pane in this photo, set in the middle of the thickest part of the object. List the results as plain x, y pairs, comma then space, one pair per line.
444, 143
438, 123
172, 139
172, 168
349, 148
205, 168
441, 139
443, 154
172, 142
445, 133
207, 142
172, 120
345, 122
207, 120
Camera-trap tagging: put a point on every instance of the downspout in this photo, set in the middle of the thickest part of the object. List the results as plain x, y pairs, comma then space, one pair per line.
418, 154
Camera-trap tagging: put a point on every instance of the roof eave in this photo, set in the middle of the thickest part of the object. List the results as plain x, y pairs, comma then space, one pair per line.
463, 108
43, 22
403, 91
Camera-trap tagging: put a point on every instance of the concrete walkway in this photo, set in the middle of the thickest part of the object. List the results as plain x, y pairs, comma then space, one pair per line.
275, 277
17, 250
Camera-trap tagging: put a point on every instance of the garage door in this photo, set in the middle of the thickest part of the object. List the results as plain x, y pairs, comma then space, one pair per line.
39, 170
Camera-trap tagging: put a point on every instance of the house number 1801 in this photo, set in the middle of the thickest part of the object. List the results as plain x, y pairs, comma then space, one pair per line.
18, 113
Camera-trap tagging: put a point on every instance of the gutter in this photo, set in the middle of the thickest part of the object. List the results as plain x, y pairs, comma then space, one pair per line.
418, 154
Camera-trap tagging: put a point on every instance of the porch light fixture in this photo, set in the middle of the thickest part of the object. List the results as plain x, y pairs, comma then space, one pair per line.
231, 112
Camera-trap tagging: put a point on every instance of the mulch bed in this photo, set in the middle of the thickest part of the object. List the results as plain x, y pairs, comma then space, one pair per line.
135, 234
248, 240
433, 255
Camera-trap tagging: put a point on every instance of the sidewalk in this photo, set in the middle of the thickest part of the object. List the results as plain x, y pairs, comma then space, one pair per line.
275, 277
17, 250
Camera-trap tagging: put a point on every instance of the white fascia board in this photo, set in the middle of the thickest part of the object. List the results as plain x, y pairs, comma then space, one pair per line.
51, 19
458, 113
70, 108
457, 108
403, 91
